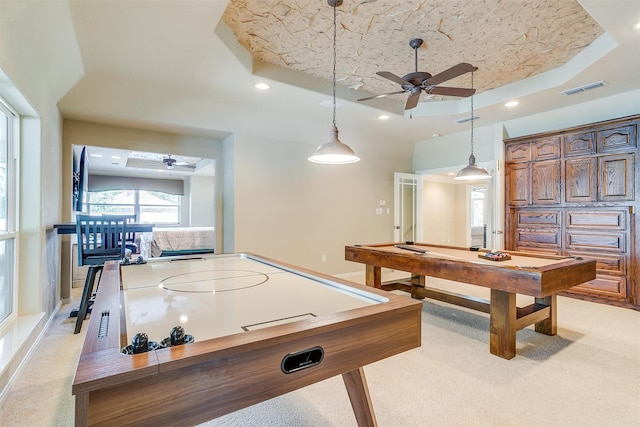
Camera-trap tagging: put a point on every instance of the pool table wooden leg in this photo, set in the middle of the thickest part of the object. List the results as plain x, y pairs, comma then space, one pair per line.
373, 276
502, 312
358, 391
549, 325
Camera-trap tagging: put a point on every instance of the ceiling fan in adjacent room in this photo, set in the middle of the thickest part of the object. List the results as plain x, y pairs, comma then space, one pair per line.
171, 163
419, 81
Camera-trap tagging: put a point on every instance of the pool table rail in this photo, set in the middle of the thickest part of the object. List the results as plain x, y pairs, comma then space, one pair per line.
536, 281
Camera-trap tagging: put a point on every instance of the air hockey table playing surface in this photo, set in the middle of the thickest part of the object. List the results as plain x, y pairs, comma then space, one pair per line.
216, 296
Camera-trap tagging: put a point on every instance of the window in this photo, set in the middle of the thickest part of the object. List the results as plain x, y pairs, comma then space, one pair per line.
154, 207
8, 210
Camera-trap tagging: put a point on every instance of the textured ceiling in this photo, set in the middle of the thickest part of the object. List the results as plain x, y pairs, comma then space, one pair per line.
508, 40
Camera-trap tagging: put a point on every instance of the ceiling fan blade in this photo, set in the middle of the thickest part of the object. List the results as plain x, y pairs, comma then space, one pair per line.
393, 78
381, 96
412, 101
451, 91
455, 71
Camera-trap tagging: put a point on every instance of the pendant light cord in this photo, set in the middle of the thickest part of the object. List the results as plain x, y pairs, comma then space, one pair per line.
334, 64
472, 118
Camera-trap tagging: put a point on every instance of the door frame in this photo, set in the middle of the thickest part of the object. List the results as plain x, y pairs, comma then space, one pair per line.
398, 205
495, 214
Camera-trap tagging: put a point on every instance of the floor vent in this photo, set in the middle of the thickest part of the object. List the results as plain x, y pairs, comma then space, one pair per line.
584, 88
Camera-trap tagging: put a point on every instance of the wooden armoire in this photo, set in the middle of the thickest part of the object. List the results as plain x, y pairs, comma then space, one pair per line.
575, 192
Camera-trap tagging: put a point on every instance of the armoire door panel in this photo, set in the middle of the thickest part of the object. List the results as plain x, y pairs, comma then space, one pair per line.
518, 181
608, 286
616, 139
593, 218
546, 149
579, 144
538, 218
547, 250
616, 177
518, 153
545, 182
610, 242
580, 180
610, 264
548, 238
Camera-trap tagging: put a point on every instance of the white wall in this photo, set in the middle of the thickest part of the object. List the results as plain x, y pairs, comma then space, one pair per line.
202, 199
446, 216
291, 209
40, 61
439, 219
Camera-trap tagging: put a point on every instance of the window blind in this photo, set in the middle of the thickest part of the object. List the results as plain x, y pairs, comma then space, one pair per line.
107, 183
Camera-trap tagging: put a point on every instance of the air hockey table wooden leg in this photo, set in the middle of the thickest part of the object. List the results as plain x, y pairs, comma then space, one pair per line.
358, 391
502, 324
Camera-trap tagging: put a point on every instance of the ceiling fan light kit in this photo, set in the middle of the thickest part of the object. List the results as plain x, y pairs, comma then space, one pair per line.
334, 151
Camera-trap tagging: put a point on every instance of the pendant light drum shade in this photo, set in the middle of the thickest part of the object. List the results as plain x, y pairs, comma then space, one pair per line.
334, 151
472, 172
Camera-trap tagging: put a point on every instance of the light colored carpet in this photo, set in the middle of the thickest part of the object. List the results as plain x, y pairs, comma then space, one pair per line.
587, 375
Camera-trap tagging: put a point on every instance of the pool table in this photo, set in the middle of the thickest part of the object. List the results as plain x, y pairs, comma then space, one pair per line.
538, 275
255, 328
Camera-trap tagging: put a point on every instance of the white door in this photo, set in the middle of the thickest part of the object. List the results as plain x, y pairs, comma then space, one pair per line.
407, 203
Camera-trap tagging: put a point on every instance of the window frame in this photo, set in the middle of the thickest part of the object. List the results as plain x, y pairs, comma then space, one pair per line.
10, 234
136, 207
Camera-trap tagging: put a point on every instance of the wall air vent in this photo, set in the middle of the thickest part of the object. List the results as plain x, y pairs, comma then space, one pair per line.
584, 88
467, 119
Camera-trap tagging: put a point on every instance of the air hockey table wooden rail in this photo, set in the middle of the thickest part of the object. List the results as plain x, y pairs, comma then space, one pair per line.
539, 275
240, 356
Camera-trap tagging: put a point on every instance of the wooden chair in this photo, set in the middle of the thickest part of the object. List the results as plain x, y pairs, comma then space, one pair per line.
130, 236
100, 239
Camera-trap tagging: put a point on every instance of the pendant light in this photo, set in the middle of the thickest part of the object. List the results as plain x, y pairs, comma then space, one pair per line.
334, 151
472, 172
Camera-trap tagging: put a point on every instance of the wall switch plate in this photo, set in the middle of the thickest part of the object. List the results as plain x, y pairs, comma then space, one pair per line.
379, 211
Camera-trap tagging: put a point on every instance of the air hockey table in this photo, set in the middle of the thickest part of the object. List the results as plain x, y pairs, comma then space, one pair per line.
541, 276
256, 328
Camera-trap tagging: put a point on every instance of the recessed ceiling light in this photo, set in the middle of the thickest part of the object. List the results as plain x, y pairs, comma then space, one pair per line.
261, 86
637, 26
435, 135
511, 104
383, 117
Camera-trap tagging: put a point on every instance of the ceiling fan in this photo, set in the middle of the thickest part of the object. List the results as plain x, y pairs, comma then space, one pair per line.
171, 163
419, 81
